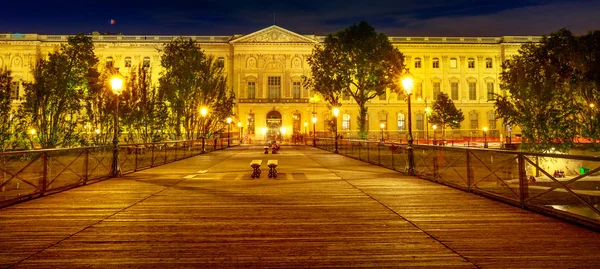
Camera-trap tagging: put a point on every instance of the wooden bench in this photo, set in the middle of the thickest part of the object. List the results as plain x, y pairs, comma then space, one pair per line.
255, 164
272, 164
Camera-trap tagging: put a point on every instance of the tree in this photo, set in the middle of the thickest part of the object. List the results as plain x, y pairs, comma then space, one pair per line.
545, 97
53, 101
359, 62
445, 114
191, 80
144, 111
7, 118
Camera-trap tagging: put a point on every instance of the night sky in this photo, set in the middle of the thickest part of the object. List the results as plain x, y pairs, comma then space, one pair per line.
320, 17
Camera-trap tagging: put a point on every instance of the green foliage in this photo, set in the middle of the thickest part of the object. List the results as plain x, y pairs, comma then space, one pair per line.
356, 61
191, 80
551, 85
445, 114
7, 118
53, 101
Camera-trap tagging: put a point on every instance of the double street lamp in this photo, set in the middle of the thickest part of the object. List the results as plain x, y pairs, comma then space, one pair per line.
336, 112
241, 131
407, 84
203, 112
116, 84
485, 144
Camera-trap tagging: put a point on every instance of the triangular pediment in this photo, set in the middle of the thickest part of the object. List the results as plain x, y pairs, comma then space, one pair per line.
274, 34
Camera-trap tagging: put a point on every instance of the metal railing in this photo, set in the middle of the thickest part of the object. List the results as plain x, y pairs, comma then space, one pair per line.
565, 186
28, 174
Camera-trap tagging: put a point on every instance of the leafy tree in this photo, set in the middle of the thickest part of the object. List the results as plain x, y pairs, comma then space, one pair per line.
7, 118
588, 61
100, 107
359, 62
53, 101
144, 111
192, 80
445, 114
545, 99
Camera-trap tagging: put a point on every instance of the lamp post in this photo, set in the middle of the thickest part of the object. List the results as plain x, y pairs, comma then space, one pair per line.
117, 88
228, 131
382, 125
407, 84
336, 112
427, 113
485, 145
434, 127
203, 112
314, 120
241, 129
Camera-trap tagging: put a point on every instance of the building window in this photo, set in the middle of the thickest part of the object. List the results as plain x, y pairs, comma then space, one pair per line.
14, 90
296, 89
471, 63
251, 123
401, 122
488, 62
436, 90
346, 122
417, 62
109, 62
382, 97
251, 89
436, 63
453, 63
220, 62
454, 90
419, 117
492, 120
490, 91
274, 86
146, 62
127, 61
419, 90
472, 91
474, 122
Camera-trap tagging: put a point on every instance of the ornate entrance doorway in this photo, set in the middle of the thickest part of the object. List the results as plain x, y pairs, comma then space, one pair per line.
273, 126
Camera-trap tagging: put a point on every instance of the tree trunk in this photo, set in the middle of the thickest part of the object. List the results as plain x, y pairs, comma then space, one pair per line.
363, 131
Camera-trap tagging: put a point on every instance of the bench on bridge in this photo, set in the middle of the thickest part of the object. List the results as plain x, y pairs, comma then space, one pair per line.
255, 164
272, 164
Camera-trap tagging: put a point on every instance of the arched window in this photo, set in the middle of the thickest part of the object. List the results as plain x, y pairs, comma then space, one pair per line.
401, 122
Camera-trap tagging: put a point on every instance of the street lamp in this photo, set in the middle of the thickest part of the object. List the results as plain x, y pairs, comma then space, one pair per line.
382, 125
427, 113
434, 127
241, 129
228, 131
336, 112
117, 88
485, 145
314, 120
203, 112
407, 84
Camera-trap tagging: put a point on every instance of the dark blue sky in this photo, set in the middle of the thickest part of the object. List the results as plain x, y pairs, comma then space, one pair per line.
320, 17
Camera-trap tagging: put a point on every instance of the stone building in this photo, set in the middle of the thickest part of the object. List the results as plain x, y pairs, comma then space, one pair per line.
265, 69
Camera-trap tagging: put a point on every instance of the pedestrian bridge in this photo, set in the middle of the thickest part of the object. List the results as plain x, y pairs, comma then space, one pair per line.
323, 210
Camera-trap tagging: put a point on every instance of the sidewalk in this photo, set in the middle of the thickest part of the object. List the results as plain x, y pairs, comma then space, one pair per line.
323, 210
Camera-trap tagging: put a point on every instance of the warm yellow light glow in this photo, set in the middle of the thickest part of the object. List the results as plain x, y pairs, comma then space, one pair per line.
32, 131
117, 85
203, 111
97, 131
407, 83
283, 129
305, 123
314, 119
239, 124
382, 125
228, 120
592, 105
485, 129
434, 127
264, 130
336, 111
427, 110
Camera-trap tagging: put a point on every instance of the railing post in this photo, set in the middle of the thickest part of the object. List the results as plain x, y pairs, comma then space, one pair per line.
523, 185
86, 164
44, 172
469, 170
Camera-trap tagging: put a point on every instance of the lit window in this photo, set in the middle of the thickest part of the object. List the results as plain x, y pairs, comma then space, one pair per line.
472, 91
419, 90
401, 122
474, 122
492, 120
436, 63
488, 63
453, 63
14, 90
146, 62
109, 62
296, 89
221, 62
454, 90
251, 89
274, 86
490, 91
127, 61
471, 63
417, 62
346, 122
436, 90
419, 117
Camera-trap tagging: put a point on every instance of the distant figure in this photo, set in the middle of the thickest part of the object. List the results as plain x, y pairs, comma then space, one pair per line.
275, 147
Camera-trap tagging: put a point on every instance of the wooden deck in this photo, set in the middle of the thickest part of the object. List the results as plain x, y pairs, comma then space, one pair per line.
323, 210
